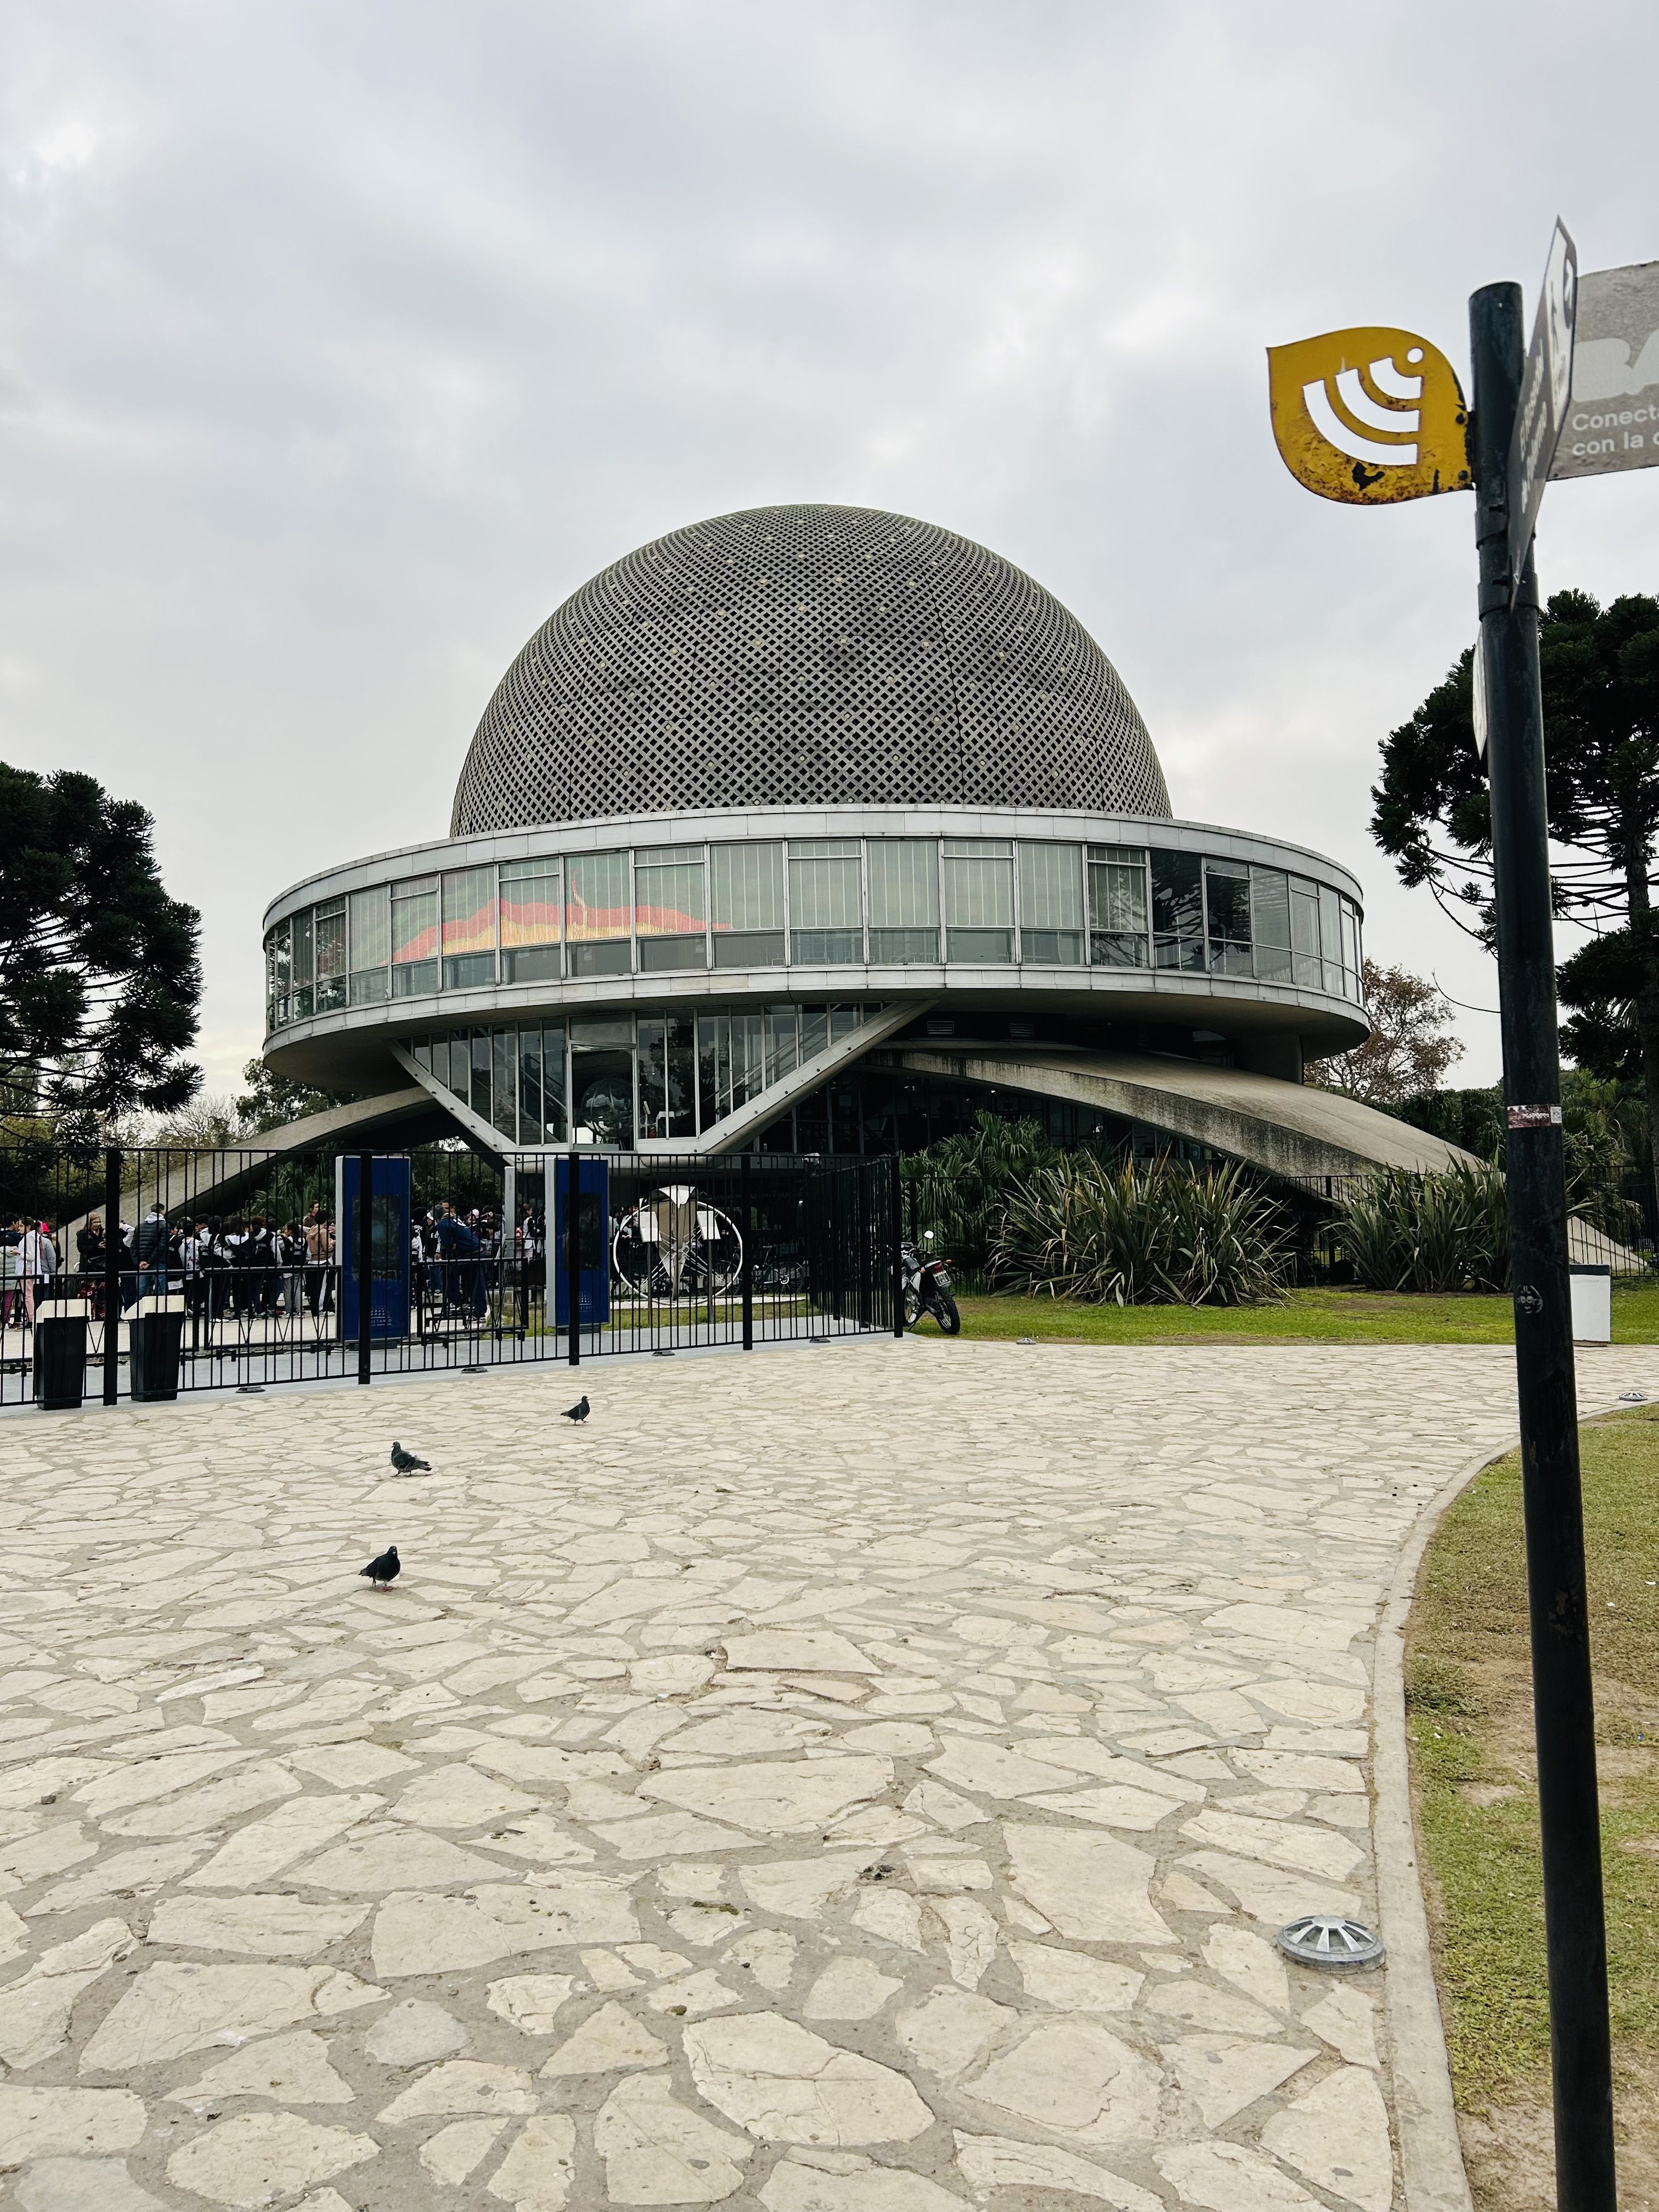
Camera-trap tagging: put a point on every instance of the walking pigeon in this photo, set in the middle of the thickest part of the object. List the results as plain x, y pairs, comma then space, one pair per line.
580, 1411
406, 1463
385, 1570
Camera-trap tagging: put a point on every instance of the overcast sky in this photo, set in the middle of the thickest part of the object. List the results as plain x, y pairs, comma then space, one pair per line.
340, 342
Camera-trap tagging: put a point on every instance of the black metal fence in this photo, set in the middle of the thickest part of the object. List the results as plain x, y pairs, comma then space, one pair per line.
229, 1267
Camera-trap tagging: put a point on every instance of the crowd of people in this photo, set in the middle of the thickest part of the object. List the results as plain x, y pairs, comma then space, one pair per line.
29, 1260
252, 1266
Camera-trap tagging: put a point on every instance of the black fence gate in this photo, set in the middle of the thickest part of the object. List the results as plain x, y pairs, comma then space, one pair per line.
229, 1267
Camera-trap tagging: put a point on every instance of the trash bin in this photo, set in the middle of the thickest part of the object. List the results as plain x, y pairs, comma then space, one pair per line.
1592, 1304
157, 1336
60, 1354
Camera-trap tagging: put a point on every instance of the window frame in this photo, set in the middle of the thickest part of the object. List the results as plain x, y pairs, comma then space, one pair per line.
910, 953
547, 868
1228, 954
362, 975
462, 968
1129, 859
1032, 949
844, 943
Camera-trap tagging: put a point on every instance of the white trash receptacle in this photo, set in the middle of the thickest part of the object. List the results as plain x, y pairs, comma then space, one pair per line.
1592, 1304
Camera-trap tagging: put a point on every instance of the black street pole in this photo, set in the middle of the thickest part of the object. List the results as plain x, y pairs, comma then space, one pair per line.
572, 1268
1564, 1712
365, 1266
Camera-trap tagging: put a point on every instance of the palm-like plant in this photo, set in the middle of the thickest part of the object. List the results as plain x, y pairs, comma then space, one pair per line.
960, 1184
1405, 1232
1159, 1233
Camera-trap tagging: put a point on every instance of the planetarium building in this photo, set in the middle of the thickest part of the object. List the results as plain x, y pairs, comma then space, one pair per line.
812, 829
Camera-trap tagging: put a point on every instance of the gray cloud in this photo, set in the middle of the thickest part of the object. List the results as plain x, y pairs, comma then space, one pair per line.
341, 344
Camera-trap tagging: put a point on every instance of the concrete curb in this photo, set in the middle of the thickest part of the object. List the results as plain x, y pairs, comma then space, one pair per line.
1431, 2151
1431, 2154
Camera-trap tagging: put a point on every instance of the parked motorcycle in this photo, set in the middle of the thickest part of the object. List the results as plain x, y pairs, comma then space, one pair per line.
927, 1289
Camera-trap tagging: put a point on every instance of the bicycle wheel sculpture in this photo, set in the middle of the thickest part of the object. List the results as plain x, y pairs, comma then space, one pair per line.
674, 1245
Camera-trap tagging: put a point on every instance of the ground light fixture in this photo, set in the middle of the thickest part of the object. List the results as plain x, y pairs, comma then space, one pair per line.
1326, 1939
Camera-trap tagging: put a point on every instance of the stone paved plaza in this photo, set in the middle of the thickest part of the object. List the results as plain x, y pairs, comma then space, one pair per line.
863, 1779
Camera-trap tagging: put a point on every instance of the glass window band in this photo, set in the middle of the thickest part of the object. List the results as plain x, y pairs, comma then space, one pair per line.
813, 903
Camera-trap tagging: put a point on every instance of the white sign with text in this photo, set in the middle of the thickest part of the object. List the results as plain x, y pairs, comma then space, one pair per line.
1613, 419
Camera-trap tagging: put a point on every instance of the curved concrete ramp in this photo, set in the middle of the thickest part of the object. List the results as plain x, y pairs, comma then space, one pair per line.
1288, 1128
214, 1179
361, 1117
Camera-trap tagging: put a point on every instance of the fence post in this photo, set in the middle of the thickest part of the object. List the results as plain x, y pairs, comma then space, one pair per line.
521, 1255
746, 1211
112, 1272
573, 1273
859, 1175
897, 1231
365, 1266
506, 1250
709, 1302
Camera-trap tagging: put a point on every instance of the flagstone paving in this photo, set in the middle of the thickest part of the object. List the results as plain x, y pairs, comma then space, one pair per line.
854, 1780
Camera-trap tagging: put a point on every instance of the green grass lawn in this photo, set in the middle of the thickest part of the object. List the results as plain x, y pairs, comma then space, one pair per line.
1306, 1318
1470, 1722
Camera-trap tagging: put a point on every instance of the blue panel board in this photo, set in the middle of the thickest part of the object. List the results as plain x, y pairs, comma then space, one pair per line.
388, 1306
592, 1241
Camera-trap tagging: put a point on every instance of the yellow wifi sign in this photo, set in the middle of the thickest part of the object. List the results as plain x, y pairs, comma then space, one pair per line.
1369, 416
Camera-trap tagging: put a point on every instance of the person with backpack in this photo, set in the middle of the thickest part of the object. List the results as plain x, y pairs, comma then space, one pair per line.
291, 1251
17, 1296
149, 1249
89, 1248
259, 1259
460, 1256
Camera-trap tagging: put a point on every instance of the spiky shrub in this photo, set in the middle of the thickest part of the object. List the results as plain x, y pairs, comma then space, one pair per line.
961, 1184
1157, 1233
1450, 1231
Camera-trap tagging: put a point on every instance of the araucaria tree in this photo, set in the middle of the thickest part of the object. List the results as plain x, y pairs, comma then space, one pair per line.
1601, 682
99, 973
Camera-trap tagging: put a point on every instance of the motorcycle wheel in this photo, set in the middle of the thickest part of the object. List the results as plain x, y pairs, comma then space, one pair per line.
946, 1314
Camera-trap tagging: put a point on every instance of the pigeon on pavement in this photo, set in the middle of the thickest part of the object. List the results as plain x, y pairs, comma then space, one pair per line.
385, 1570
580, 1411
406, 1463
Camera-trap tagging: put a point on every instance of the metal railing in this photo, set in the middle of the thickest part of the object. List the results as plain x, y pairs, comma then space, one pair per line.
489, 1263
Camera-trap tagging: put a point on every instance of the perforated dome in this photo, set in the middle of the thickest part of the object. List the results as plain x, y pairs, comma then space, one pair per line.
806, 656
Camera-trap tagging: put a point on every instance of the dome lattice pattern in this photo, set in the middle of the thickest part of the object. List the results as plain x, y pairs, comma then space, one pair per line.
806, 656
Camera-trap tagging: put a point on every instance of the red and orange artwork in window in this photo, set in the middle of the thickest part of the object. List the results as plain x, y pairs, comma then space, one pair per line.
664, 919
414, 930
589, 925
468, 912
530, 912
596, 907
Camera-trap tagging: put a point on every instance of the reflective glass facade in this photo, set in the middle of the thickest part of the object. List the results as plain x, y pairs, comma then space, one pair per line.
625, 1078
982, 902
